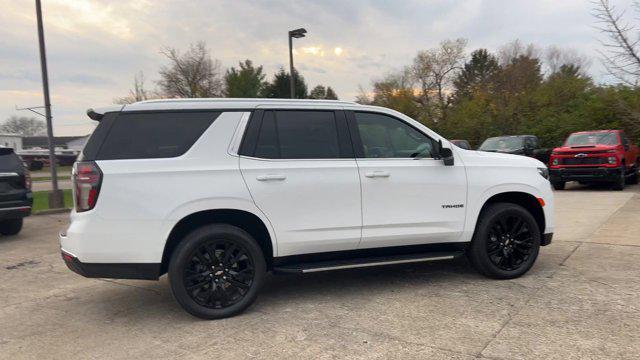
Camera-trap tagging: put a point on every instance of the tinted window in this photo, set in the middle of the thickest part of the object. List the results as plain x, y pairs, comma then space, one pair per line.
153, 135
97, 137
298, 135
267, 145
9, 160
383, 136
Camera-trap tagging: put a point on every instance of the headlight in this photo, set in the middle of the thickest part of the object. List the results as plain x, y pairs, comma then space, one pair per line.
544, 172
555, 162
612, 160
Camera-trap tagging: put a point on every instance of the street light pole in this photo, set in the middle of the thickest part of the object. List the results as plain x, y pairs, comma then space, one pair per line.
297, 33
56, 196
292, 83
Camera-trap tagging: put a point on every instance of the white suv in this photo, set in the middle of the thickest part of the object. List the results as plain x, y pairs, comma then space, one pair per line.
216, 192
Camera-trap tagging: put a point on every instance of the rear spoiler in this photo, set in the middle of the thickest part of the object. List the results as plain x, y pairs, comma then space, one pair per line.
98, 114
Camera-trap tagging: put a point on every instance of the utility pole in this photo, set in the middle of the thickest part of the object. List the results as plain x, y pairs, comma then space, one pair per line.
56, 197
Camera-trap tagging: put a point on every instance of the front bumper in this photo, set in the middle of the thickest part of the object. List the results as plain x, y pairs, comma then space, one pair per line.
546, 239
603, 174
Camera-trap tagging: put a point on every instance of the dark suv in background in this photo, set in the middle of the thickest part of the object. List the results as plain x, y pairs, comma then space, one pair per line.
16, 198
527, 145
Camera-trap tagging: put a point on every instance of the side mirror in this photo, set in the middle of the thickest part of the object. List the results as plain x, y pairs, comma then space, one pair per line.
447, 156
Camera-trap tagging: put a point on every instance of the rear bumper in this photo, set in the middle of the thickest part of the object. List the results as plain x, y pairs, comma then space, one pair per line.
16, 209
149, 271
585, 174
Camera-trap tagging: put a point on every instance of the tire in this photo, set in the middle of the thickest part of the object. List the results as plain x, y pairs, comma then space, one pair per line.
221, 286
501, 254
558, 185
10, 227
618, 184
633, 179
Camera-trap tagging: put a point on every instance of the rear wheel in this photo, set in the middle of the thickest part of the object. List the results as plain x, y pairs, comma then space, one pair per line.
558, 185
506, 241
216, 271
10, 227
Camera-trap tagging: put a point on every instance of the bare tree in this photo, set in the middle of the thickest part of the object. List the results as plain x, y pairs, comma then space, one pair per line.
515, 49
556, 57
192, 74
622, 55
22, 125
434, 70
138, 93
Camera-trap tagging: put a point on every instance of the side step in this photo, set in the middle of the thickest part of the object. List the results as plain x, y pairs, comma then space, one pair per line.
300, 268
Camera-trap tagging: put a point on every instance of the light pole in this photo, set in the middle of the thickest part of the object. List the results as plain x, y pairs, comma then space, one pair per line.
56, 199
297, 33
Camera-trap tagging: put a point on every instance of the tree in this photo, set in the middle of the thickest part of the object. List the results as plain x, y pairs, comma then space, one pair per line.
192, 74
320, 92
22, 125
434, 70
622, 44
477, 75
396, 92
280, 87
331, 95
556, 58
138, 93
245, 82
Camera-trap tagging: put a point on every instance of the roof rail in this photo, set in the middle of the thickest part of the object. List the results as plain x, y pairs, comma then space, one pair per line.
262, 100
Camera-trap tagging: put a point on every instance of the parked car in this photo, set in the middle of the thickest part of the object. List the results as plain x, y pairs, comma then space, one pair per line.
462, 144
16, 198
527, 145
216, 192
602, 156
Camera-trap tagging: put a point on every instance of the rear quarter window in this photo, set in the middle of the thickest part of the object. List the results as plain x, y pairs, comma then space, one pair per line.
148, 135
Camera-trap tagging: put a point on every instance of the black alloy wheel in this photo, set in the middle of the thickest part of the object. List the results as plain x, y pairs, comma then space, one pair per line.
216, 271
506, 241
510, 242
219, 274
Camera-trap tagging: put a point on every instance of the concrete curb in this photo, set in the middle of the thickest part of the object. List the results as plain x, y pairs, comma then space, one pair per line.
52, 211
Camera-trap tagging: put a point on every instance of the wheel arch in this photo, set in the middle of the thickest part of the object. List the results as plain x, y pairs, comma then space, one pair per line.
242, 219
521, 198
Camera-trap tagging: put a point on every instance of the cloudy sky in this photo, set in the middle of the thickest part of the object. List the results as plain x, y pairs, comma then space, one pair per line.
95, 47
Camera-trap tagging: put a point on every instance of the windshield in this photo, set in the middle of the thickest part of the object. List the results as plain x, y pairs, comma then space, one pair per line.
505, 143
590, 139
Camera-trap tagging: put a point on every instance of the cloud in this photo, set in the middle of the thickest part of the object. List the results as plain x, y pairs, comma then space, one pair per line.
95, 47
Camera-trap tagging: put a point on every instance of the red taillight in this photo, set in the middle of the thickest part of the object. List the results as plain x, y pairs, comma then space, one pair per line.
27, 179
87, 178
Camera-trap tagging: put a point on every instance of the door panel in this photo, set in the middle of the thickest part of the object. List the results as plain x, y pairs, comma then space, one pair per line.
415, 202
301, 173
313, 205
408, 196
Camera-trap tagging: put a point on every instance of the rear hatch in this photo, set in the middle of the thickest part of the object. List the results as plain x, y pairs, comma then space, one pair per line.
13, 186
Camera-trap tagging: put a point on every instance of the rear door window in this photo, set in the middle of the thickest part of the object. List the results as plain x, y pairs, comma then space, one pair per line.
299, 134
151, 135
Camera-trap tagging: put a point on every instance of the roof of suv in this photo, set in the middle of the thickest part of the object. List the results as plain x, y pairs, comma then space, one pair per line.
220, 103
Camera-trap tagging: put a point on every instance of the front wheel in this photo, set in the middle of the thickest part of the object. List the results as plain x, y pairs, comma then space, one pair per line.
633, 178
216, 271
10, 227
619, 183
506, 241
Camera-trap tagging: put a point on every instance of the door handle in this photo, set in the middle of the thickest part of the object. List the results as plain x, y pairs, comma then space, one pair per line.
271, 177
378, 174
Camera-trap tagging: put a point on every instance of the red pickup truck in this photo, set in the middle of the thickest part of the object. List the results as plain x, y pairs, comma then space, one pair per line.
595, 157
